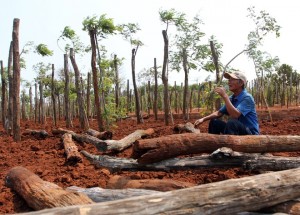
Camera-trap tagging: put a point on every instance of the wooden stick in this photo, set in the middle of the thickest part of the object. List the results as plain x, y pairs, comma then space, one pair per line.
41, 194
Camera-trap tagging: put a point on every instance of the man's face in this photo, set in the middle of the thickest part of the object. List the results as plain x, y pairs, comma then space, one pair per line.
234, 84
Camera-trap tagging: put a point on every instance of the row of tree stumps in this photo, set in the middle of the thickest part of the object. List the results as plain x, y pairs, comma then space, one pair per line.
275, 191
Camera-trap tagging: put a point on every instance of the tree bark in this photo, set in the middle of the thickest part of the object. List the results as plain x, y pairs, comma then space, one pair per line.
42, 108
73, 156
165, 77
10, 92
155, 108
41, 194
95, 81
53, 96
67, 91
88, 93
3, 100
136, 93
116, 82
157, 149
123, 182
226, 197
84, 124
16, 82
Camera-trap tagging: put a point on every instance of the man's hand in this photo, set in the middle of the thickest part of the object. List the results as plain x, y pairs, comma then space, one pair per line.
198, 122
221, 91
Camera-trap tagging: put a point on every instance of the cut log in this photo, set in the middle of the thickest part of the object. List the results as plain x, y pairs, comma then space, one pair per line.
98, 194
158, 149
122, 182
71, 150
105, 135
114, 164
37, 133
183, 128
120, 145
221, 158
226, 197
40, 194
104, 145
83, 138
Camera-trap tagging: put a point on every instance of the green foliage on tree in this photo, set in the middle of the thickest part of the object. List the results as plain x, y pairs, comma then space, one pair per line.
43, 50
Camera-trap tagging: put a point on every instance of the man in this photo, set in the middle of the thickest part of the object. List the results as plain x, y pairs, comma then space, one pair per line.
240, 107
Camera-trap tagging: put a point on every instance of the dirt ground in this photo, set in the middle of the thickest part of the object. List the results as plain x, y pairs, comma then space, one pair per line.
46, 157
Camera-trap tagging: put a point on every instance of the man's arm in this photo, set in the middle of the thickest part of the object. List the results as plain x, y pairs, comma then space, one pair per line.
232, 111
214, 115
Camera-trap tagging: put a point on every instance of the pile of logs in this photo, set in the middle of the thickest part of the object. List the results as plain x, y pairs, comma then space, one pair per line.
275, 191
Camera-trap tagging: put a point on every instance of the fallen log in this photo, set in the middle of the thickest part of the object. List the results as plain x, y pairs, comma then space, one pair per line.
114, 164
183, 128
71, 150
98, 194
221, 158
83, 138
226, 197
40, 194
120, 145
37, 133
123, 182
158, 149
105, 135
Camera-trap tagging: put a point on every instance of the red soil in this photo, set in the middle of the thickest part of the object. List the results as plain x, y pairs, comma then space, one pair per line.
46, 157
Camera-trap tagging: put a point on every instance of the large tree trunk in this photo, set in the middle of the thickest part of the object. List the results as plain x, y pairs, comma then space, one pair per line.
136, 93
123, 182
157, 149
41, 194
116, 82
42, 108
67, 91
16, 82
226, 197
155, 108
186, 86
88, 93
95, 81
3, 101
165, 77
84, 124
53, 96
9, 120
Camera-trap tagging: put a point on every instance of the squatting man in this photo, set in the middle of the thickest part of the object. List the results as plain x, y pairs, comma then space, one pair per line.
240, 107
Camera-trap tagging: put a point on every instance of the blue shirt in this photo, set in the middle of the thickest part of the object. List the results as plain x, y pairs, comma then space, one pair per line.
244, 102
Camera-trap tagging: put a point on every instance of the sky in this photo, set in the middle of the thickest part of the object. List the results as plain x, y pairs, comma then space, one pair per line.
42, 21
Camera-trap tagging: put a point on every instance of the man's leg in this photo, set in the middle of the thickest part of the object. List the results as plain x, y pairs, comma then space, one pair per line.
216, 126
235, 127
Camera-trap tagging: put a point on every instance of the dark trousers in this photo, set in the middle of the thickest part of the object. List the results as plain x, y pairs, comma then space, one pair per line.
232, 126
